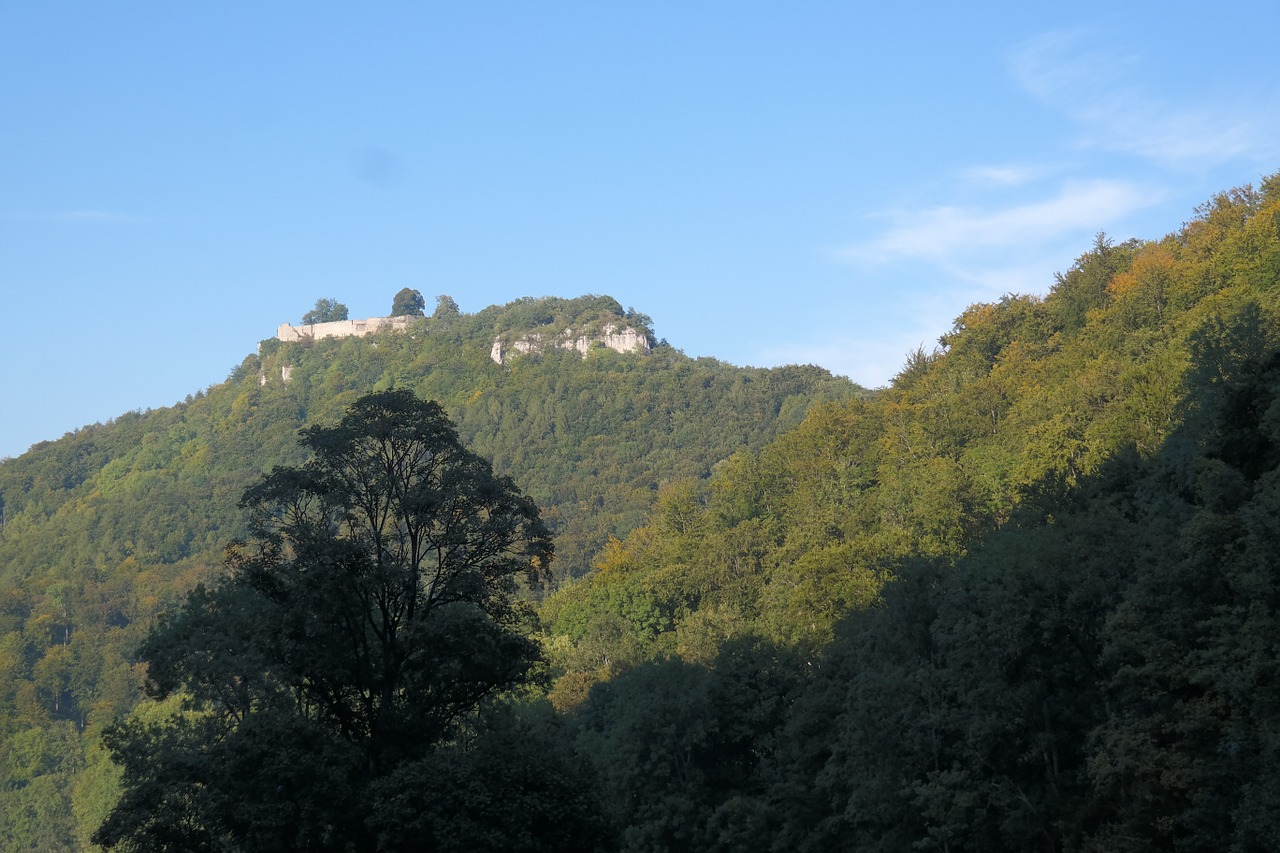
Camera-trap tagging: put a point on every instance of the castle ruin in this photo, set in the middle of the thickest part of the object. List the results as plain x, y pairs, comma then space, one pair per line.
619, 339
342, 328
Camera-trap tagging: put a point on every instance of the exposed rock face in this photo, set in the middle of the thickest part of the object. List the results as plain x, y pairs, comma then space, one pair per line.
337, 329
619, 340
286, 373
341, 328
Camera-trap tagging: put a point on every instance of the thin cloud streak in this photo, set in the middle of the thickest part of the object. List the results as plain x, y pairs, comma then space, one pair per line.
941, 233
871, 362
1052, 69
72, 216
1187, 140
1001, 176
92, 216
1031, 277
1091, 88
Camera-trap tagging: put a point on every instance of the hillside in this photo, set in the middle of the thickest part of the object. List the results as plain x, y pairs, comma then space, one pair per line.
1020, 402
1026, 598
106, 526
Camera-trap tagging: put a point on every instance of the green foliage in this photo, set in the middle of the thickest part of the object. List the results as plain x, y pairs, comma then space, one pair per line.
1022, 402
1084, 287
36, 766
592, 438
1067, 517
514, 785
446, 309
679, 749
408, 303
550, 316
325, 311
372, 612
114, 523
1102, 678
1023, 599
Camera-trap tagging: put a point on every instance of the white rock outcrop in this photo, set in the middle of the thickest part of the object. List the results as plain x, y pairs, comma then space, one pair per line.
617, 339
286, 373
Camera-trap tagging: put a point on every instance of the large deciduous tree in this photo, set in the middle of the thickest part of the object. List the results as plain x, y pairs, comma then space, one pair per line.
326, 311
446, 308
408, 303
374, 608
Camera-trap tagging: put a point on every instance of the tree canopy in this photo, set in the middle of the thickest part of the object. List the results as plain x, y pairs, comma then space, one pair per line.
1024, 599
1034, 587
408, 303
446, 308
374, 607
112, 524
325, 311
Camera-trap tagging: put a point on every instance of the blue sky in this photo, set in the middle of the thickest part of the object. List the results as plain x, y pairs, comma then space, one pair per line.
772, 183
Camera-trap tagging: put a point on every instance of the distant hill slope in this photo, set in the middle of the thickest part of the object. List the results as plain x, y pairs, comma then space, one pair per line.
595, 434
1028, 598
754, 506
1022, 401
103, 527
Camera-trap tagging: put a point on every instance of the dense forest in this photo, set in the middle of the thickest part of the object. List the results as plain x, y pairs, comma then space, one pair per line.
1026, 599
111, 525
1023, 599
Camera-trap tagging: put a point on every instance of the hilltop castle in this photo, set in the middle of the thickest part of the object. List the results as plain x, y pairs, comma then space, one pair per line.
619, 339
341, 328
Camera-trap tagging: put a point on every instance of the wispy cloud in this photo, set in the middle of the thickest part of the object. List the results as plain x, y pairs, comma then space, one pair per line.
1054, 67
995, 177
1096, 89
942, 233
72, 216
1007, 226
92, 216
862, 358
1030, 276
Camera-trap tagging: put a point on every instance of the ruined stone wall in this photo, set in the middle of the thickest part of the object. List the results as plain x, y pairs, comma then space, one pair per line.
337, 329
341, 328
619, 339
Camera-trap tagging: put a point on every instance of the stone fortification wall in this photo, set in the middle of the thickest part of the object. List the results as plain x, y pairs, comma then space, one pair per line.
336, 329
619, 340
341, 328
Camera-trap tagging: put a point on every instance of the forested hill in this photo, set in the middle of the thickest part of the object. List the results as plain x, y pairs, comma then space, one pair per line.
105, 526
1026, 599
1021, 400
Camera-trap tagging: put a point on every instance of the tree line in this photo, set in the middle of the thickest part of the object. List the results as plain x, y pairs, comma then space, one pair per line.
1025, 598
111, 525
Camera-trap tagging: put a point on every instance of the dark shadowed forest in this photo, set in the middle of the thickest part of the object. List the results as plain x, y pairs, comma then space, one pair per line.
1024, 598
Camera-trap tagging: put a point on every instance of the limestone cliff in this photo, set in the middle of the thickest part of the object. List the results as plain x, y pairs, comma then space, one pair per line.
624, 339
523, 326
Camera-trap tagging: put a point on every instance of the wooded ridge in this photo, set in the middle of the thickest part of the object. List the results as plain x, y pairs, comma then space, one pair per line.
1024, 598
